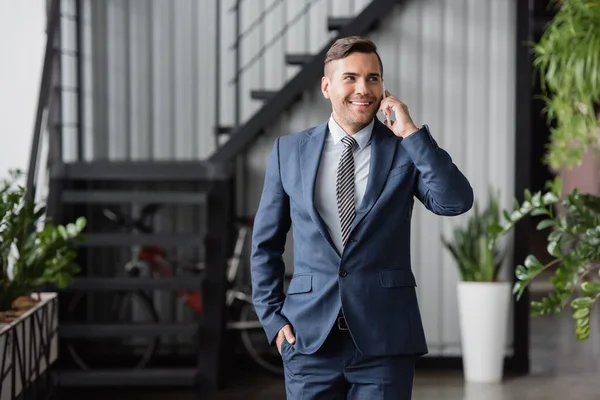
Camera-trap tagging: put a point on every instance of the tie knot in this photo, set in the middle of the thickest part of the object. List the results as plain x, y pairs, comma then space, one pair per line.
349, 141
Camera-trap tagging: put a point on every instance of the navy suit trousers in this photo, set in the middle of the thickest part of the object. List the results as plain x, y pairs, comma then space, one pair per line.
339, 371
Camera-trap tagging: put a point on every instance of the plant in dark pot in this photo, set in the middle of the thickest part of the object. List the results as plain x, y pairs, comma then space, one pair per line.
567, 62
33, 251
483, 299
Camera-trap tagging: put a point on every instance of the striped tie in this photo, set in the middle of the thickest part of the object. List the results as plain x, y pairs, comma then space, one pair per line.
345, 187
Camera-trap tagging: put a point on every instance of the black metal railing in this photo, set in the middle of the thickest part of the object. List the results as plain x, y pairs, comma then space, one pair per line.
238, 43
46, 109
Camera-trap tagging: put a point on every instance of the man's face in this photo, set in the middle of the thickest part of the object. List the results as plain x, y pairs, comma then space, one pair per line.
354, 87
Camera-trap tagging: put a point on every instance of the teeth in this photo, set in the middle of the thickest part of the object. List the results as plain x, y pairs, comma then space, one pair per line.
360, 104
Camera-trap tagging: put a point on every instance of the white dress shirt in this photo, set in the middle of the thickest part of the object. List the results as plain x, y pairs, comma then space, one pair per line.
325, 193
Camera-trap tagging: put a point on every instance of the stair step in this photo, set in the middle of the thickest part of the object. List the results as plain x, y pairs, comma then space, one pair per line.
128, 377
337, 23
67, 330
134, 197
150, 171
129, 240
223, 130
98, 284
262, 94
298, 59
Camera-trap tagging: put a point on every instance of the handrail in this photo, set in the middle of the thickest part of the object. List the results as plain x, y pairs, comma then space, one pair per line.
254, 24
44, 95
276, 37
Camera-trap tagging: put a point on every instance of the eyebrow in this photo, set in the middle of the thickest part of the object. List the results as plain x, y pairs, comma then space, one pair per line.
377, 74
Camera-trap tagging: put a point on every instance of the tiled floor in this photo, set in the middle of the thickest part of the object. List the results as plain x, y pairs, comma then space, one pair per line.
562, 369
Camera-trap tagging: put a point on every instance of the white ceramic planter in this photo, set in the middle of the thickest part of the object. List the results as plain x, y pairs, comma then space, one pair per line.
28, 346
483, 311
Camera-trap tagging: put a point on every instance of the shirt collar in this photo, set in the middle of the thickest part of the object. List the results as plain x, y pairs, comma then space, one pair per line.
362, 137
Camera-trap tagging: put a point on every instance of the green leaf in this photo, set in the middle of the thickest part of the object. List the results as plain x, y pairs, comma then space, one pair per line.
507, 216
553, 249
495, 229
582, 332
537, 200
582, 302
545, 224
581, 313
521, 273
590, 288
539, 211
80, 223
532, 261
555, 236
550, 198
555, 186
63, 232
516, 215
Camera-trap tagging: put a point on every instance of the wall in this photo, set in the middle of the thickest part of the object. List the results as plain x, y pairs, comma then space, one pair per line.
22, 45
150, 71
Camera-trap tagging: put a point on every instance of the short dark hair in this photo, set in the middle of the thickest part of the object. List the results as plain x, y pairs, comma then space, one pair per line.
343, 47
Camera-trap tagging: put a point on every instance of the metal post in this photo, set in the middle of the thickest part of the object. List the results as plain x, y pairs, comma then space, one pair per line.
213, 348
237, 62
217, 73
520, 358
80, 92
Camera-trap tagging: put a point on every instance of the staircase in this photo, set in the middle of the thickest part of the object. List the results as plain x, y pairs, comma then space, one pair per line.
276, 102
204, 189
125, 187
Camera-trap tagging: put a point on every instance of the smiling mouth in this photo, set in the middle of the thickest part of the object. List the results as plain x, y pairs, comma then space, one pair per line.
361, 103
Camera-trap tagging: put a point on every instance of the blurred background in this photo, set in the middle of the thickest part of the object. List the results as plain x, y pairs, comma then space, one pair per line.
153, 119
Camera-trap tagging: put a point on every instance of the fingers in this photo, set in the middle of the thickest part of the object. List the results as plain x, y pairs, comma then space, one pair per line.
385, 107
289, 335
391, 105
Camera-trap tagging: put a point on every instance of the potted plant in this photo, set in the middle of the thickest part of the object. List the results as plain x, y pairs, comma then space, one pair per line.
33, 252
483, 299
567, 61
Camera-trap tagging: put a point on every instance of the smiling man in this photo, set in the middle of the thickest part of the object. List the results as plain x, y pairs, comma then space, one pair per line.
349, 325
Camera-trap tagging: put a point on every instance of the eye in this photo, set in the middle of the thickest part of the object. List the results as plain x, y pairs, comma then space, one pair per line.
374, 79
349, 77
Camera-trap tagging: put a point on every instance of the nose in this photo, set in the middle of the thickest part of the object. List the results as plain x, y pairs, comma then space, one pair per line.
361, 87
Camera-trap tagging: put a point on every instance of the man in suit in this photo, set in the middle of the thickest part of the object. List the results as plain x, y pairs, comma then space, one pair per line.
349, 325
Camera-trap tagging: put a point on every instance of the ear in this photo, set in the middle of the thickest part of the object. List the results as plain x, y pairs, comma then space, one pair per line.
325, 87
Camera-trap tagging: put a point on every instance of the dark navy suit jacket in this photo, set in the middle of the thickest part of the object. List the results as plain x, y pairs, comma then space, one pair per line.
372, 280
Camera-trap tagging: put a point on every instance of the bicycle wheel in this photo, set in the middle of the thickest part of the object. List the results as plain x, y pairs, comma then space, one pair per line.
255, 342
125, 351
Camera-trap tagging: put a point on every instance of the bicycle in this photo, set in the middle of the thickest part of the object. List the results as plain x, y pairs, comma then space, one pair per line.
152, 260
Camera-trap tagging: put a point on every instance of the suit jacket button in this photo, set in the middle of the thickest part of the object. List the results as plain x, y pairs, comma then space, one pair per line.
343, 273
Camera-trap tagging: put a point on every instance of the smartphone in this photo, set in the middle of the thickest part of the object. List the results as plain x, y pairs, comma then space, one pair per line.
387, 117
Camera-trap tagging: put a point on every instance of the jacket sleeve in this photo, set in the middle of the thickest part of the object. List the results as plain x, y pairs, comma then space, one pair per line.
442, 188
271, 224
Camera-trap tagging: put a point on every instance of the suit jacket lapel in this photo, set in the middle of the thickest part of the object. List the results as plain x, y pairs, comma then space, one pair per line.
383, 148
311, 148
